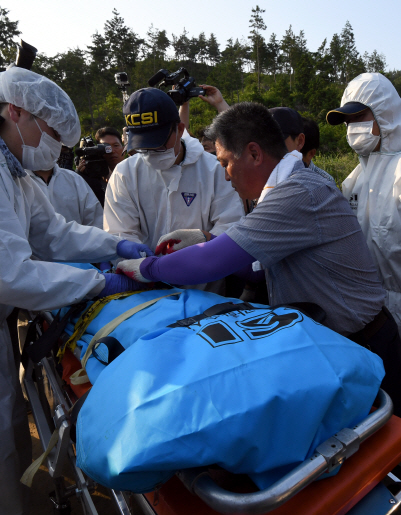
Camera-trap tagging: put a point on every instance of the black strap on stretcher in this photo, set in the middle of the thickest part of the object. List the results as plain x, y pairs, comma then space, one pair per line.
48, 340
114, 347
307, 308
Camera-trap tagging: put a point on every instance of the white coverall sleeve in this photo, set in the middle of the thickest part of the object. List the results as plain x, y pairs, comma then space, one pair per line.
121, 214
53, 239
31, 284
227, 207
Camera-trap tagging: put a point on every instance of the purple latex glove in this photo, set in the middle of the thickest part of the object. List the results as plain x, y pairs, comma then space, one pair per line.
131, 250
117, 283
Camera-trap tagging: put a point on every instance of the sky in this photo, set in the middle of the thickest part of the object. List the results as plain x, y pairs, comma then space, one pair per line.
56, 26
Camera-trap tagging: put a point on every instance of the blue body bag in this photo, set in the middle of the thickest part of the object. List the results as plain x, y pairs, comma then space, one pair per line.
253, 391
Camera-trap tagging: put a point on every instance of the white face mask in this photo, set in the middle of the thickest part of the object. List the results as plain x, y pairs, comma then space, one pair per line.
360, 137
161, 160
42, 157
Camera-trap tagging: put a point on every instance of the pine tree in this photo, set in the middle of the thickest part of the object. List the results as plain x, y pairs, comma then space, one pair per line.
272, 56
257, 24
124, 44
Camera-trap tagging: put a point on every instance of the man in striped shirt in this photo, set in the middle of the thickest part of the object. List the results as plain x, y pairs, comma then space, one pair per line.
302, 231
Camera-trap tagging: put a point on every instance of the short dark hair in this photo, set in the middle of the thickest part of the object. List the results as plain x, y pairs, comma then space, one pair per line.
202, 135
312, 135
246, 122
107, 131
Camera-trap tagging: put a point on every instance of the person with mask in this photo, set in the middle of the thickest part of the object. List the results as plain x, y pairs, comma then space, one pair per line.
371, 109
171, 183
35, 116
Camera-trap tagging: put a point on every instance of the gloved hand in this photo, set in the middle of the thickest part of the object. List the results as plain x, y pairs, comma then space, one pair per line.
130, 268
178, 240
105, 265
117, 284
131, 250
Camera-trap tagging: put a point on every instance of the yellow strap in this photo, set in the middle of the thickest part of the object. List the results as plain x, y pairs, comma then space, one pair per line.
87, 317
108, 328
30, 472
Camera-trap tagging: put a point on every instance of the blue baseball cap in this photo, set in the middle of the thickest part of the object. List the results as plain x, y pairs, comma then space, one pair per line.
149, 114
337, 116
289, 120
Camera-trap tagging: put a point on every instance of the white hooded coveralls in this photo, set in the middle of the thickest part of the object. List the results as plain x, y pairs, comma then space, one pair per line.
374, 186
142, 204
71, 196
28, 223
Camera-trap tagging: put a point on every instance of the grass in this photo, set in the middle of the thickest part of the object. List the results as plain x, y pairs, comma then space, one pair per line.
338, 165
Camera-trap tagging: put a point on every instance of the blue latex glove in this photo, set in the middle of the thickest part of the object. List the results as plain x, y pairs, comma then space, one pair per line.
105, 265
131, 250
117, 283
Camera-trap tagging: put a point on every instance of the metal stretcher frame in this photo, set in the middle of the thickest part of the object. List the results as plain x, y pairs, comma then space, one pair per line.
54, 415
50, 410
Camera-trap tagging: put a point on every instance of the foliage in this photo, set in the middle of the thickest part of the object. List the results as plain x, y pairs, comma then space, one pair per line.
8, 34
272, 71
338, 165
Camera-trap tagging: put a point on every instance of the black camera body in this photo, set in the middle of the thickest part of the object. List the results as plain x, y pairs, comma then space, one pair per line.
95, 165
184, 85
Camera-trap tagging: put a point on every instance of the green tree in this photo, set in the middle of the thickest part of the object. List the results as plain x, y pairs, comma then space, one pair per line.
8, 34
351, 64
289, 52
180, 45
258, 25
213, 50
335, 53
272, 56
156, 45
124, 45
375, 62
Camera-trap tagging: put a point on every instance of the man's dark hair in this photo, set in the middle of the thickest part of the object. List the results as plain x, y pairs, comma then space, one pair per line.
107, 131
246, 122
312, 135
202, 134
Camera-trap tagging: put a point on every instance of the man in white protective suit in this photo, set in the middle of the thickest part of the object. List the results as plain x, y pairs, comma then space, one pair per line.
70, 195
371, 109
171, 183
35, 116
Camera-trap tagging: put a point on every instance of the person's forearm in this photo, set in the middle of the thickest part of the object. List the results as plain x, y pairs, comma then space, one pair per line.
198, 264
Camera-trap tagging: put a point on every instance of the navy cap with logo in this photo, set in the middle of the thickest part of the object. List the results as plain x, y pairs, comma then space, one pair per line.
149, 114
289, 121
337, 116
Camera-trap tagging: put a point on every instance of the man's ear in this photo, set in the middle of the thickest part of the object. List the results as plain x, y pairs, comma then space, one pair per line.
300, 141
312, 153
180, 129
14, 112
255, 152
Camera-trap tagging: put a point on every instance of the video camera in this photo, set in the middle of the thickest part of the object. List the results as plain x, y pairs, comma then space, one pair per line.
25, 56
185, 87
95, 165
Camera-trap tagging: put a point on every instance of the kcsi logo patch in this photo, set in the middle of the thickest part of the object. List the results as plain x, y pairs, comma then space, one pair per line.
188, 197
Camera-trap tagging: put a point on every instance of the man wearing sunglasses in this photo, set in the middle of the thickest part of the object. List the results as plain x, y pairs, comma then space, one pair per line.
170, 183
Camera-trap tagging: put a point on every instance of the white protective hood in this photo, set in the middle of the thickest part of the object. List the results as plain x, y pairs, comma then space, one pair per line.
374, 187
376, 92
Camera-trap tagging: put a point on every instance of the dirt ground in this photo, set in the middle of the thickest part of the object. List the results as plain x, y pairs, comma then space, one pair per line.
43, 485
